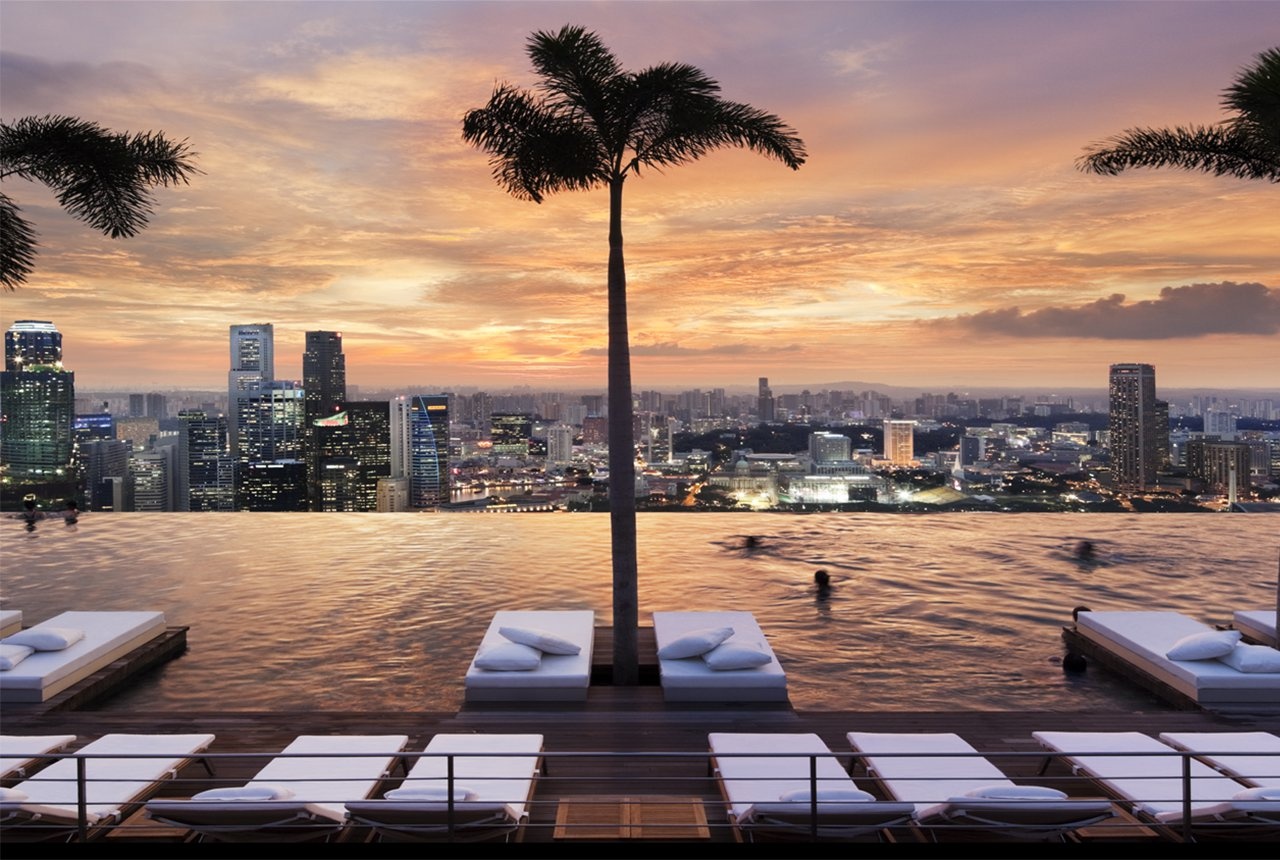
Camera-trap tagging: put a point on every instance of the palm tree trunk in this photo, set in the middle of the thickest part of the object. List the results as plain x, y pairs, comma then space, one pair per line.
622, 485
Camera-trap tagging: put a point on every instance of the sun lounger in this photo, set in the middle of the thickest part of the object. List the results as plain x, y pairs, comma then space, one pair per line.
556, 677
1142, 639
1258, 625
493, 778
954, 789
691, 679
130, 769
1123, 763
10, 621
299, 795
770, 796
108, 636
21, 754
1250, 757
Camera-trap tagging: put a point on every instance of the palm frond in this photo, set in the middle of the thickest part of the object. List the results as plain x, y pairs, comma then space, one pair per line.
576, 71
17, 245
534, 149
100, 177
1255, 96
1220, 150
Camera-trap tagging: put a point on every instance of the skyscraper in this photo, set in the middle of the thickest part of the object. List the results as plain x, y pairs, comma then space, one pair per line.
324, 378
764, 400
510, 433
899, 442
252, 367
271, 422
37, 413
1134, 426
353, 451
324, 374
206, 470
428, 450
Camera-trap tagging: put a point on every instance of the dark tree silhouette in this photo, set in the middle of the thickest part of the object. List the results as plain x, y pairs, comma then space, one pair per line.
592, 124
101, 177
1247, 145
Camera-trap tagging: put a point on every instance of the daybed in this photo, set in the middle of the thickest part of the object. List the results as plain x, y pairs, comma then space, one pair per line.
1153, 785
1251, 757
1258, 625
768, 783
299, 795
956, 791
691, 679
1141, 640
22, 754
493, 777
555, 677
108, 636
46, 805
10, 621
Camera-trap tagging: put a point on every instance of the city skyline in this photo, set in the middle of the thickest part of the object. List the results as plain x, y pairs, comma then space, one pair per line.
940, 235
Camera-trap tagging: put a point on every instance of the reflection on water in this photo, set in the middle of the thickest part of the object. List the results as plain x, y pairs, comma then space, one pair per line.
384, 611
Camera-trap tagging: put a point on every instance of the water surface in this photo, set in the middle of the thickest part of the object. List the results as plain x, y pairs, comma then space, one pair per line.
384, 611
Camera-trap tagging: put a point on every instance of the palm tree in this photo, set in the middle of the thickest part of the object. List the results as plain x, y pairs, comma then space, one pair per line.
1246, 145
593, 124
100, 177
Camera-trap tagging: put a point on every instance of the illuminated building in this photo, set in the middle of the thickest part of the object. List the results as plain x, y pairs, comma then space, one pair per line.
829, 447
252, 367
352, 453
271, 422
899, 442
37, 413
278, 485
206, 471
428, 450
560, 443
510, 433
1134, 426
324, 379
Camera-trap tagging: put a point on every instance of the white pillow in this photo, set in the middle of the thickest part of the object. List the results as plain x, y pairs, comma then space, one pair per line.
1014, 792
694, 643
12, 795
828, 795
257, 791
544, 641
12, 655
736, 655
509, 657
1254, 659
1209, 645
1271, 793
46, 638
432, 794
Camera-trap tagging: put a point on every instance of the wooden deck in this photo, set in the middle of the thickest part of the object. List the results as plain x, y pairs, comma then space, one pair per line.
665, 747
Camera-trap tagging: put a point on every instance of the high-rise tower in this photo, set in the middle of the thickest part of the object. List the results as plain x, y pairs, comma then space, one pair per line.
764, 400
253, 364
37, 413
428, 450
324, 378
899, 442
1134, 425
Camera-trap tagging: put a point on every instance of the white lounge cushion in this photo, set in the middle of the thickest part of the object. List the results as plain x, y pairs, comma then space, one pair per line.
12, 795
828, 795
1254, 659
433, 794
1015, 792
1209, 645
46, 638
544, 640
736, 655
695, 643
509, 657
253, 791
12, 655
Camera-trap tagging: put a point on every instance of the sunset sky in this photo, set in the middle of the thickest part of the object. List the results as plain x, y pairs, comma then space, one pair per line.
940, 234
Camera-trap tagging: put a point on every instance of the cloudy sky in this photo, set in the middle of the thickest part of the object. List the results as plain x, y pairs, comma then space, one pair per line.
939, 235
